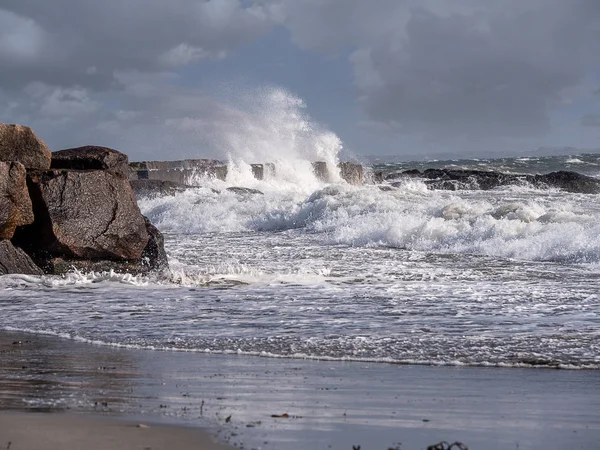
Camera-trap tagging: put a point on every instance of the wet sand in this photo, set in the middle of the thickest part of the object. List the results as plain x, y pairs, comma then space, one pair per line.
318, 404
22, 431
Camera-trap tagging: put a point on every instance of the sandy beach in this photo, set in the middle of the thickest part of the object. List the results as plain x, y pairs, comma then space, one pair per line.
280, 403
22, 431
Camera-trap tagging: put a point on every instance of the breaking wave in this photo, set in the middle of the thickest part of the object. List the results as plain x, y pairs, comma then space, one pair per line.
514, 222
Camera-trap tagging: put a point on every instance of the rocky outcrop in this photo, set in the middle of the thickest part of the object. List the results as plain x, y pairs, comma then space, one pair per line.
91, 157
15, 260
85, 214
81, 213
19, 143
454, 179
569, 181
15, 205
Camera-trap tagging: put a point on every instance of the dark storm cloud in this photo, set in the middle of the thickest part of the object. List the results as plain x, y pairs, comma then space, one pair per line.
487, 68
111, 71
83, 71
64, 42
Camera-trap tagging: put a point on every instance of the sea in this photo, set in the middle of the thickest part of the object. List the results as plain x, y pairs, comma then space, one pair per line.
508, 277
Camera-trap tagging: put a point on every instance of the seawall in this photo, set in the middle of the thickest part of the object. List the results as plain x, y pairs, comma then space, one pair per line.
186, 171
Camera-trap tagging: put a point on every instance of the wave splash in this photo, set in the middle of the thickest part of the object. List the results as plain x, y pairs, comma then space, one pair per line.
271, 125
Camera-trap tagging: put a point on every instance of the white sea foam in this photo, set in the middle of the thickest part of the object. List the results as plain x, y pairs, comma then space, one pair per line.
514, 223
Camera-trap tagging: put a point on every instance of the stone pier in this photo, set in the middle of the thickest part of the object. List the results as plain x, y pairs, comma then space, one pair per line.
188, 170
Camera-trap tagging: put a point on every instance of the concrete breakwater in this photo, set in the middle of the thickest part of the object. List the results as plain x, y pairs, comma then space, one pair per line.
188, 170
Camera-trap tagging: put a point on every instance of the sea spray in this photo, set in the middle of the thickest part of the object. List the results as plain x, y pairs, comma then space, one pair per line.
270, 125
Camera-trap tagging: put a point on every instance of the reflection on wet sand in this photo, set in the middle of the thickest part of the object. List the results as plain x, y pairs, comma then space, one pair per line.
305, 404
44, 374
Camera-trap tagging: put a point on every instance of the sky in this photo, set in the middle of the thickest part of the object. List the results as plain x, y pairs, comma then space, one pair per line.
170, 79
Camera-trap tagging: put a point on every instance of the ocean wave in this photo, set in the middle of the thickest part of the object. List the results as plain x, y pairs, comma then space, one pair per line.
530, 359
516, 222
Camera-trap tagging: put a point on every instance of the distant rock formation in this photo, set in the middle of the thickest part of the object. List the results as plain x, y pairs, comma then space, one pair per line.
81, 213
458, 179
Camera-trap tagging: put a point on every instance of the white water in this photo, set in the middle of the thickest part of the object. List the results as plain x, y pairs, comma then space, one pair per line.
514, 222
507, 277
270, 125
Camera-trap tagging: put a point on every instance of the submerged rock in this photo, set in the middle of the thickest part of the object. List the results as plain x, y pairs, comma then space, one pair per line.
15, 260
244, 191
19, 143
15, 204
84, 214
91, 157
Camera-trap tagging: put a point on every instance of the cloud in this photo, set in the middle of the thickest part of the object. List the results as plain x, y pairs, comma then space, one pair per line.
84, 43
105, 72
182, 55
462, 68
464, 72
21, 39
591, 120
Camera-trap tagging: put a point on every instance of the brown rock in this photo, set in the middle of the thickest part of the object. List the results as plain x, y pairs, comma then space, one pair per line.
19, 143
15, 260
91, 157
84, 214
154, 256
58, 265
15, 205
153, 259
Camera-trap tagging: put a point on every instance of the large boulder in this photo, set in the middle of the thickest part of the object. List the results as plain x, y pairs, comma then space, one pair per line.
91, 157
15, 205
19, 143
84, 214
153, 259
15, 260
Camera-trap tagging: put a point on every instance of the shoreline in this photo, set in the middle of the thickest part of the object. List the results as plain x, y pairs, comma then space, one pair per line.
244, 400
